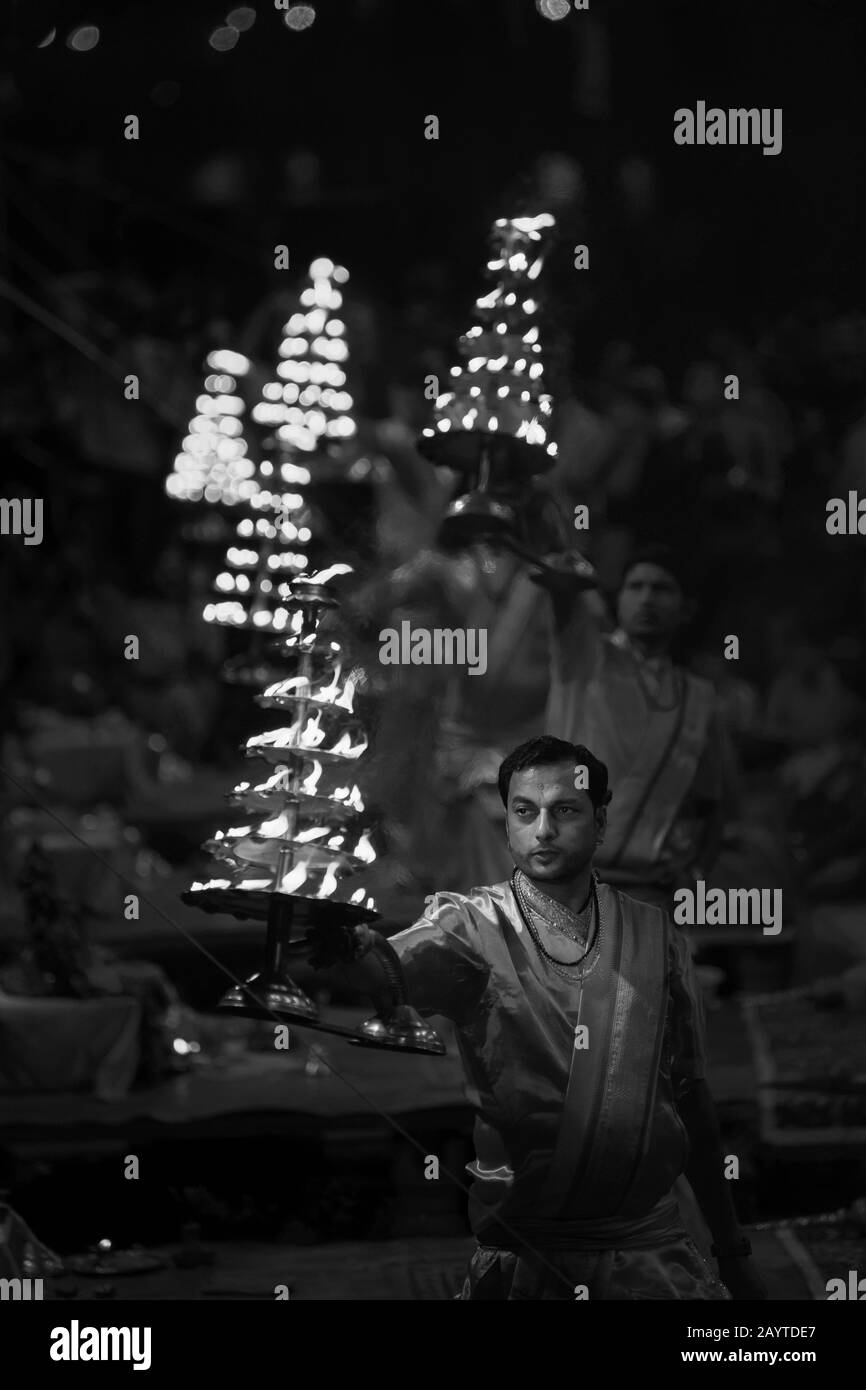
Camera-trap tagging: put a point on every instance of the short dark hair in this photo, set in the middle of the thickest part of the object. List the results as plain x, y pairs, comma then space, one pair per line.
542, 752
664, 558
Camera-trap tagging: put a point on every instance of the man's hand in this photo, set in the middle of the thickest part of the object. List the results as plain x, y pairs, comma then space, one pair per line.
337, 944
741, 1279
480, 769
564, 573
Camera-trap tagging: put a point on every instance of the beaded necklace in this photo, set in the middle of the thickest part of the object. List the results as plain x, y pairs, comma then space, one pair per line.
562, 968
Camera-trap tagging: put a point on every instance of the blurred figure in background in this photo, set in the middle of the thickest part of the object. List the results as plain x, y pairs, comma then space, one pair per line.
655, 725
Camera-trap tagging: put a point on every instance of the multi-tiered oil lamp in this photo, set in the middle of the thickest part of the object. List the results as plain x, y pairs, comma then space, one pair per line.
493, 426
289, 863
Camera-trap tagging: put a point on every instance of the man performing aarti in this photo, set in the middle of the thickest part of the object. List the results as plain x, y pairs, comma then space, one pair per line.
654, 724
581, 1033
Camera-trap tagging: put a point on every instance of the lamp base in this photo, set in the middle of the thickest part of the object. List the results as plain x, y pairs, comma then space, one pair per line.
259, 997
476, 516
401, 1029
509, 456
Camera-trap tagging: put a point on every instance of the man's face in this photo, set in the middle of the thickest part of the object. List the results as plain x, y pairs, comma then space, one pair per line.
552, 828
650, 603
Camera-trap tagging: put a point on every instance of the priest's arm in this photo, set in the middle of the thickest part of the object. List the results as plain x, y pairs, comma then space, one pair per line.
436, 958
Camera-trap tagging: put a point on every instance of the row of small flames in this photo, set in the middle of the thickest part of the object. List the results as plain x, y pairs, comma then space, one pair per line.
301, 687
296, 880
278, 828
349, 797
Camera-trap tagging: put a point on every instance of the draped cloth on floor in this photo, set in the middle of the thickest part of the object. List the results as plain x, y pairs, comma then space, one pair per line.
577, 1138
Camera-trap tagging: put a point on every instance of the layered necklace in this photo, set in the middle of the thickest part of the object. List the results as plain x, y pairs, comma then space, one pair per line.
584, 928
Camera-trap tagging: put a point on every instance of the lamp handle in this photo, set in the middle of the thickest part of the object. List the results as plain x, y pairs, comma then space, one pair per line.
355, 950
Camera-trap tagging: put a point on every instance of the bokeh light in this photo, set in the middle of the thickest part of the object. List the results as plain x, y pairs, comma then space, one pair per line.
49, 39
243, 18
224, 39
552, 9
82, 39
299, 17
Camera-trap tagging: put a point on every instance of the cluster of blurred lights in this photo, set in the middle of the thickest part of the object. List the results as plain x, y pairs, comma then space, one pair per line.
213, 465
307, 404
247, 598
307, 408
281, 503
234, 613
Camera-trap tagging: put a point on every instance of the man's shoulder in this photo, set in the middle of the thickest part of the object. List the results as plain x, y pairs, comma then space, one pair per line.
474, 904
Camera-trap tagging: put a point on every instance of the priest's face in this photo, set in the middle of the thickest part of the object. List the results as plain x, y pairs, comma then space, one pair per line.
552, 827
650, 604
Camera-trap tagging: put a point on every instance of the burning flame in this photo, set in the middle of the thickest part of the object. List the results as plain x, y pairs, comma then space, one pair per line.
329, 883
289, 687
309, 785
328, 693
311, 737
274, 829
322, 576
347, 699
343, 746
351, 798
314, 833
357, 897
276, 783
364, 849
294, 878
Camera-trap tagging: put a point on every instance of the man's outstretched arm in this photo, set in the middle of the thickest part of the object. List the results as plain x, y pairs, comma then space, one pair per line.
357, 956
436, 961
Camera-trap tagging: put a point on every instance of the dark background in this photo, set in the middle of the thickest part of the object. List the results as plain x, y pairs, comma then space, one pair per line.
719, 256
